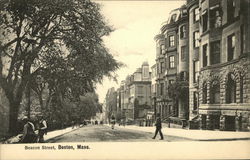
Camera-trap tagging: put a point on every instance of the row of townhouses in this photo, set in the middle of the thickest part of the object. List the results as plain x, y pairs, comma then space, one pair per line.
132, 101
201, 77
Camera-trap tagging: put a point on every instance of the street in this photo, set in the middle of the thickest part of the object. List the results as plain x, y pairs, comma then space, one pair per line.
103, 133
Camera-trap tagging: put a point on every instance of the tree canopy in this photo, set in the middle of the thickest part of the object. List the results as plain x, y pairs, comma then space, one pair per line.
61, 39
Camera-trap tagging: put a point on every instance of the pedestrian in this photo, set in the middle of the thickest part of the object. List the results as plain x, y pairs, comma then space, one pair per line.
29, 135
113, 121
42, 129
158, 127
73, 124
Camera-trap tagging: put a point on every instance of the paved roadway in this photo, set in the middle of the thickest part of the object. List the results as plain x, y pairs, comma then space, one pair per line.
103, 133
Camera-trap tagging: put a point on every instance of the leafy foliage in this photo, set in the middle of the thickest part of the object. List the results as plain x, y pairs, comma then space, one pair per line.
61, 39
178, 89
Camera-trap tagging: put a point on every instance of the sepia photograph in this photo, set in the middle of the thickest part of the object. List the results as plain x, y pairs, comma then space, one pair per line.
124, 79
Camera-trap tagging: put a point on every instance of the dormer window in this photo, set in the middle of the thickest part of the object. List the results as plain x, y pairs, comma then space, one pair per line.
173, 18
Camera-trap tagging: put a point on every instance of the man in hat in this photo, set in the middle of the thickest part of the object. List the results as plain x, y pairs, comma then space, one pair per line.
29, 135
158, 127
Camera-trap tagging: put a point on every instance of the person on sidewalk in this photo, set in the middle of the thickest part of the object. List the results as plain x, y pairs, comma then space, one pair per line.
112, 121
158, 127
29, 135
42, 129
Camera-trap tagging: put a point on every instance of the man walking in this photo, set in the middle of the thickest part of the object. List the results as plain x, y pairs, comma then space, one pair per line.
158, 127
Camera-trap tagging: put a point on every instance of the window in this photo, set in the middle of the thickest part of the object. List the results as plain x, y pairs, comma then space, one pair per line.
171, 62
204, 21
173, 18
242, 39
230, 10
140, 99
140, 89
204, 49
196, 36
162, 49
215, 52
161, 88
231, 47
196, 14
162, 67
157, 68
204, 93
195, 107
171, 81
171, 41
231, 89
215, 17
183, 31
195, 71
215, 92
183, 76
183, 53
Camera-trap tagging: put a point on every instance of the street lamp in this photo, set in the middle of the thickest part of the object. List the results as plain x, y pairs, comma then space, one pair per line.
155, 108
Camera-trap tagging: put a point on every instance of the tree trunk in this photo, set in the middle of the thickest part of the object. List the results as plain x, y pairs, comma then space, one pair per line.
14, 107
28, 101
40, 97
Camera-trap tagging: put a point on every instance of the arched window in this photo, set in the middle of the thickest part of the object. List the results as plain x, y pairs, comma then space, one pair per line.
204, 93
231, 89
215, 92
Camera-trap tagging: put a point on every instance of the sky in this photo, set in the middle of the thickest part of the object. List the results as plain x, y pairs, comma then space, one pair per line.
132, 42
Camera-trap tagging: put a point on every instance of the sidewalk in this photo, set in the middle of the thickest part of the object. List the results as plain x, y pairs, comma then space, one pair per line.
198, 135
49, 135
56, 133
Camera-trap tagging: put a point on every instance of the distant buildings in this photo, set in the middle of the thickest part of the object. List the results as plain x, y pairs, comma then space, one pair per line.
134, 96
110, 104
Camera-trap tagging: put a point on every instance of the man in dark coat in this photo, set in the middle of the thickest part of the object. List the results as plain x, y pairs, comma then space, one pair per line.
29, 135
42, 129
158, 127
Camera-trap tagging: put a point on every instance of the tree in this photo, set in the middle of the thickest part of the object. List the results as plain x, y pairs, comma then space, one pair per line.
178, 90
62, 38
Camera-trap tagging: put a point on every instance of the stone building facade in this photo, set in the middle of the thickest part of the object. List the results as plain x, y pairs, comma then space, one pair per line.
219, 96
194, 44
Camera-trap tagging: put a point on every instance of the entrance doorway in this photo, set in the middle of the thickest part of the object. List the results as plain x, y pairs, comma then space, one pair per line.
215, 121
230, 123
203, 121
